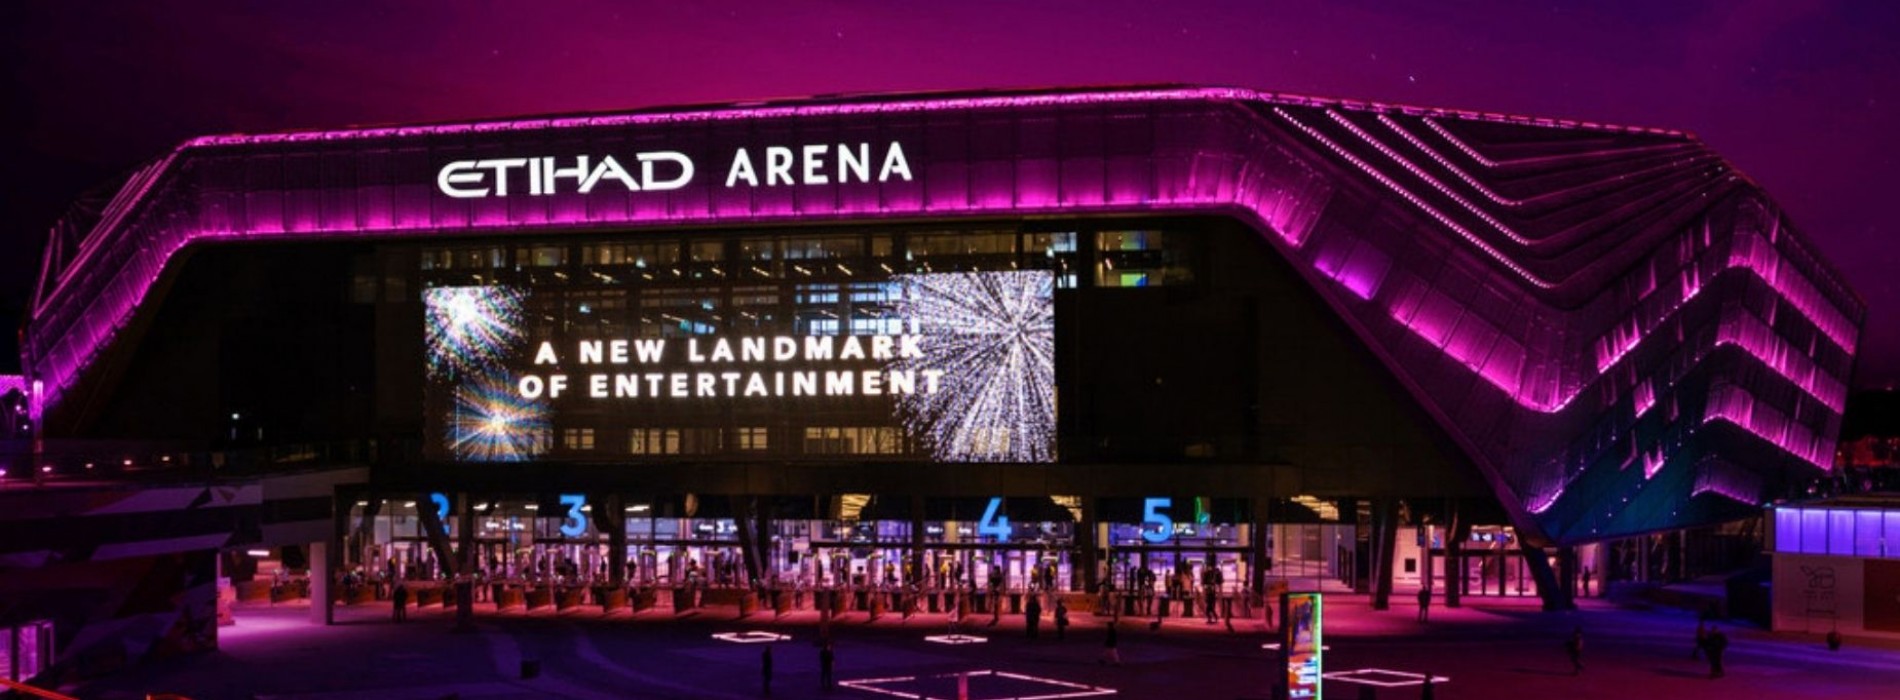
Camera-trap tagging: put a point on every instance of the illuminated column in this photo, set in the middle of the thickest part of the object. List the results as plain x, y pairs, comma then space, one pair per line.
322, 606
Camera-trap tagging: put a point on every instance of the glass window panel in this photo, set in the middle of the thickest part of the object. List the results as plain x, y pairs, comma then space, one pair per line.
1867, 531
1840, 532
1813, 531
1787, 530
1892, 539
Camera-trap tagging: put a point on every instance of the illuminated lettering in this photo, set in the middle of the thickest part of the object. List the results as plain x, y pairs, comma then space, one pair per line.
741, 169
557, 383
853, 350
648, 350
814, 156
755, 386
894, 163
651, 184
461, 172
501, 167
778, 165
530, 386
838, 383
608, 168
752, 349
806, 164
551, 174
784, 348
722, 351
817, 347
705, 381
597, 386
626, 386
858, 162
545, 355
590, 351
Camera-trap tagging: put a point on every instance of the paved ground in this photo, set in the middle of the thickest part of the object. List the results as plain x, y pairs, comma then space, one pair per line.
1490, 649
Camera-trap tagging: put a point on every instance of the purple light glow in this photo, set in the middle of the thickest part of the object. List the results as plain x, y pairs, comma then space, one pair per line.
1283, 193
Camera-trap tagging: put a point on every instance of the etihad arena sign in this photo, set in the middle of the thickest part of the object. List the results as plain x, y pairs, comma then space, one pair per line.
659, 171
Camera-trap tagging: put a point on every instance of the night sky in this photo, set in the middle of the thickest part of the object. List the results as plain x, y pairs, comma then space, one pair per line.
1802, 96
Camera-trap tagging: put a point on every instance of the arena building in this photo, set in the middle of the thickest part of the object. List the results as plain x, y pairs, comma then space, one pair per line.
1050, 340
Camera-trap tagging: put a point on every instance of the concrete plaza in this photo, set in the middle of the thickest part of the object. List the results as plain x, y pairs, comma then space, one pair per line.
1489, 649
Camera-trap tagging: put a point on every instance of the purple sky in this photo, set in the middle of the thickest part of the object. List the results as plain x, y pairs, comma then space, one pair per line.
1802, 96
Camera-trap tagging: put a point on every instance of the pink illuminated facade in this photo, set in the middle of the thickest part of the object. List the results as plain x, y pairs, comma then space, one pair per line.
1617, 330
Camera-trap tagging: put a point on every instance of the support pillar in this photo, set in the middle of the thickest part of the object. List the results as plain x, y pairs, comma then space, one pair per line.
1088, 568
322, 604
615, 520
1259, 562
436, 531
1385, 535
1548, 588
465, 564
1455, 539
917, 573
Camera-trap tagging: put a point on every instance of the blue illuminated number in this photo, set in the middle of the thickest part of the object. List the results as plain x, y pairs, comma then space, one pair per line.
441, 505
994, 523
576, 524
1151, 513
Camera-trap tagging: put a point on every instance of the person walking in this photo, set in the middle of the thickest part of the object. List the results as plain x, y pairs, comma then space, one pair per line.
1424, 604
1032, 615
1574, 647
400, 596
826, 657
1062, 619
1717, 644
1110, 638
765, 668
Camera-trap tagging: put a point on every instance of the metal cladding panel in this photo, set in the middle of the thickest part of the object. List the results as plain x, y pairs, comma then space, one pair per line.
1621, 331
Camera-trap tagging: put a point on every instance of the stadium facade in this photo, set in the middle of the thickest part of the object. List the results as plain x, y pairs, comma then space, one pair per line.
1074, 329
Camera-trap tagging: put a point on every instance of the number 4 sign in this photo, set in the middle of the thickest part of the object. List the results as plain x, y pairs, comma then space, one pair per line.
994, 522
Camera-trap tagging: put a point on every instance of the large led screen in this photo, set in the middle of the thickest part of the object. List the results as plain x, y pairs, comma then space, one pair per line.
961, 365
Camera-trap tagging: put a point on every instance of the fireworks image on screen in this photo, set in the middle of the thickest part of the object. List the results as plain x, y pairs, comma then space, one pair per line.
492, 423
993, 335
469, 328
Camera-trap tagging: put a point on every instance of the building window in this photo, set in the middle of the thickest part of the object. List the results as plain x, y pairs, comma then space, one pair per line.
754, 439
541, 256
654, 441
1141, 259
577, 438
853, 440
